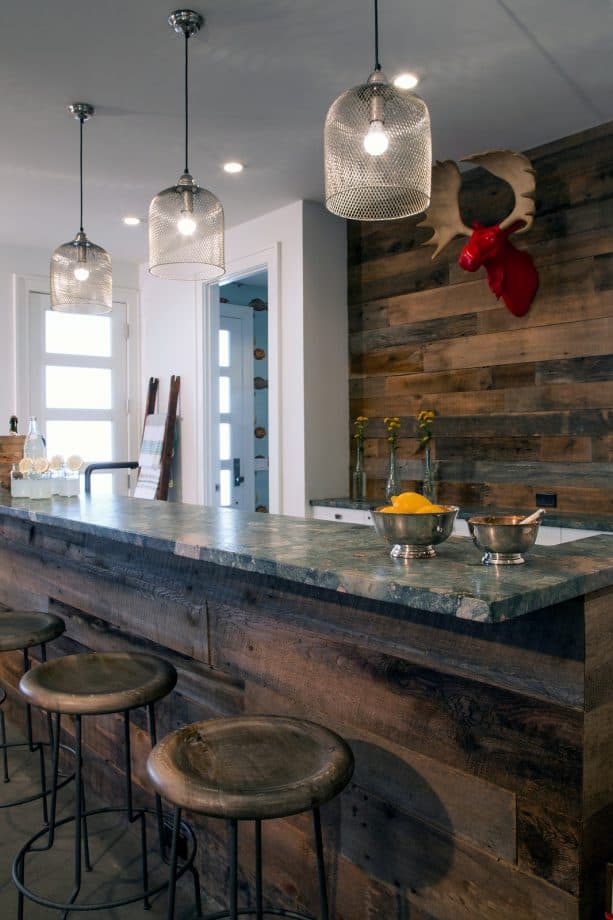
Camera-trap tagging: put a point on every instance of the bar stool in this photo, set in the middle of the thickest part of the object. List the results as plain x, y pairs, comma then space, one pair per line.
250, 768
20, 630
92, 684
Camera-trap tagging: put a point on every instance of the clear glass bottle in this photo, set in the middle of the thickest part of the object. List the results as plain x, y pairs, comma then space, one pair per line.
392, 486
34, 445
358, 476
429, 484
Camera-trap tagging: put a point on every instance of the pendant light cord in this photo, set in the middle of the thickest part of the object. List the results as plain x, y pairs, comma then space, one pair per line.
81, 120
186, 171
377, 61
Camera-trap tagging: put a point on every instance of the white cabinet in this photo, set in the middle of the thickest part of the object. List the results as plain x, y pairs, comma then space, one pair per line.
343, 515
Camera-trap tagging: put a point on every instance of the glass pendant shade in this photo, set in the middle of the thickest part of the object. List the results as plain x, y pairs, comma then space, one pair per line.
81, 278
378, 152
186, 233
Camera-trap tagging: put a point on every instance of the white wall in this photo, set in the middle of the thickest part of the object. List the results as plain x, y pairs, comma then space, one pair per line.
311, 358
326, 353
26, 261
169, 345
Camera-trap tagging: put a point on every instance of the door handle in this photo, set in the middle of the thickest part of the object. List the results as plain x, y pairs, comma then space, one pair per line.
238, 479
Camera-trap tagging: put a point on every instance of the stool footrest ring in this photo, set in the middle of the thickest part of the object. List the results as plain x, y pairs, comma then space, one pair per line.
35, 748
18, 867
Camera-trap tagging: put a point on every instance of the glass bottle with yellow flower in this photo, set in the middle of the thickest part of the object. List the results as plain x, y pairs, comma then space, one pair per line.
358, 475
425, 420
392, 485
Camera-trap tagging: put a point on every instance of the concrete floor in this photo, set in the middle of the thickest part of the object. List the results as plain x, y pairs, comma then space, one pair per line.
115, 856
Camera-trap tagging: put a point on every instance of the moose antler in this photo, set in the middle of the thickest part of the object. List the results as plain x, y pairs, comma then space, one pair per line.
444, 212
516, 169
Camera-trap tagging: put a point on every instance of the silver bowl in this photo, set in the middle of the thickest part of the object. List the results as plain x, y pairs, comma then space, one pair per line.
502, 537
414, 536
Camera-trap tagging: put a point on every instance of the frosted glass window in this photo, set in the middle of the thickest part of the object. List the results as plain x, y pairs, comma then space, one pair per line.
78, 387
225, 488
102, 484
92, 440
77, 334
224, 441
224, 394
224, 348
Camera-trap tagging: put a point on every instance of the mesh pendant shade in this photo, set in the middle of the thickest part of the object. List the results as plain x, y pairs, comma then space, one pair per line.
393, 183
195, 255
81, 278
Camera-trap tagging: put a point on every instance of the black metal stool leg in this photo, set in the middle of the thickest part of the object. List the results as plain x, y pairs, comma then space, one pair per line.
158, 801
54, 779
86, 860
139, 815
5, 753
78, 797
258, 870
233, 869
321, 869
172, 881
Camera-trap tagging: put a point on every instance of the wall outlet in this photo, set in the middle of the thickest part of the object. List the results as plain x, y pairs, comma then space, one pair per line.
546, 499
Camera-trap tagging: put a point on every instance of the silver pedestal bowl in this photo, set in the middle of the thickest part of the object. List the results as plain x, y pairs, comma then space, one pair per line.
414, 536
502, 537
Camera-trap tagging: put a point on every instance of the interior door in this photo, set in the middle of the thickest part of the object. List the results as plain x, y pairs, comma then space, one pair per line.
235, 351
78, 384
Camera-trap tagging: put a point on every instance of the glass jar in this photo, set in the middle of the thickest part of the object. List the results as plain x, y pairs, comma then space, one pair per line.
34, 445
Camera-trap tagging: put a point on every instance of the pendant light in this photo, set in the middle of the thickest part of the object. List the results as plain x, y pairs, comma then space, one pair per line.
377, 149
186, 222
81, 277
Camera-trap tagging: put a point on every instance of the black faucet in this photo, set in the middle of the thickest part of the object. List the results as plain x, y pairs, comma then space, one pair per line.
114, 465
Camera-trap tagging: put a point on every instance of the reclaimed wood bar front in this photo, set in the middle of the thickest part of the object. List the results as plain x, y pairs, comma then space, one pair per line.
478, 701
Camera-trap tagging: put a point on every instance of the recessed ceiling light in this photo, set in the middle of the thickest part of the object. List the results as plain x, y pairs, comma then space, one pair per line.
131, 221
406, 81
233, 167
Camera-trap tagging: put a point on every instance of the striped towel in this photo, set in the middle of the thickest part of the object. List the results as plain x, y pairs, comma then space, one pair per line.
150, 457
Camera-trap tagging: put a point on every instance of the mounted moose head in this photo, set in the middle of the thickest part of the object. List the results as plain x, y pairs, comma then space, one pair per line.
510, 272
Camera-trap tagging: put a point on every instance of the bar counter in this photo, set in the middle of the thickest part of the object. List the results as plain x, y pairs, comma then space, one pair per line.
478, 700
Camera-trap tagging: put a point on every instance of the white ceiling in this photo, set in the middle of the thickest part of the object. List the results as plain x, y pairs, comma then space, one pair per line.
263, 72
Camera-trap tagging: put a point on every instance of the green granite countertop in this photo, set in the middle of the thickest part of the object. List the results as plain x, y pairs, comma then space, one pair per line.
339, 557
553, 517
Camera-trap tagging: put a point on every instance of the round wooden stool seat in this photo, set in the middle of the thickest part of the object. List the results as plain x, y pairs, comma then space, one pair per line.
98, 682
24, 628
250, 767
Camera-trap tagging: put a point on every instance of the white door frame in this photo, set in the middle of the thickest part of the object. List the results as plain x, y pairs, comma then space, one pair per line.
208, 325
23, 285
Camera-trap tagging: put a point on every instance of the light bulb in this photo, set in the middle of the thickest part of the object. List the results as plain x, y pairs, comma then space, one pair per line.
186, 224
81, 273
376, 141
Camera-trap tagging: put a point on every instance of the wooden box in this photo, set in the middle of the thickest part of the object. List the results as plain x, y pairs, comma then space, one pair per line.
11, 451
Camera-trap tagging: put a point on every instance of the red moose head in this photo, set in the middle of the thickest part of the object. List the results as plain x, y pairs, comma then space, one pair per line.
510, 272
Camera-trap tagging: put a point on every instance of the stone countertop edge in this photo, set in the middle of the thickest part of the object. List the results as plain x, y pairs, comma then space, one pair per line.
553, 517
347, 558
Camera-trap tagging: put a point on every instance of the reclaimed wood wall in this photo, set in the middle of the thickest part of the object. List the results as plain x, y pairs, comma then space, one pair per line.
524, 405
482, 788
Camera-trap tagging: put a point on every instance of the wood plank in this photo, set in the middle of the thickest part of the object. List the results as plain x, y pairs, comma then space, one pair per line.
567, 448
436, 872
413, 333
549, 845
582, 370
563, 340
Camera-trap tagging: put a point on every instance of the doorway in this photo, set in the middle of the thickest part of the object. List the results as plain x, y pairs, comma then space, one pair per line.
242, 472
